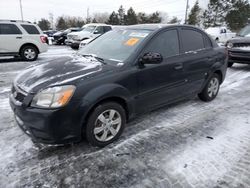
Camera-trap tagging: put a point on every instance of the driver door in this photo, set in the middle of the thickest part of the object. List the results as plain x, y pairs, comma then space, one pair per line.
165, 82
99, 30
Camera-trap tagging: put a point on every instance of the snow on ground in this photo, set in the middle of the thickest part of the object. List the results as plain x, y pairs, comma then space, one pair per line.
188, 144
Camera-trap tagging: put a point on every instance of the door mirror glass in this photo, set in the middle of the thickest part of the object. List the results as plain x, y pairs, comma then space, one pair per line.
151, 58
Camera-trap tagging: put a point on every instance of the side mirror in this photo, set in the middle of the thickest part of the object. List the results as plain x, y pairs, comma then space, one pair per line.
151, 58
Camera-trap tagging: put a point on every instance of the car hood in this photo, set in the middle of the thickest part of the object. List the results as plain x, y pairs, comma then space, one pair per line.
240, 40
60, 71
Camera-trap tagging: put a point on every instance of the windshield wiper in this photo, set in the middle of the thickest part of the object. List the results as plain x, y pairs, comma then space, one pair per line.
94, 56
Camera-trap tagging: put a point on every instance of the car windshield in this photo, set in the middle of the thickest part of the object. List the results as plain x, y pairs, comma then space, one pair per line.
90, 28
245, 31
116, 45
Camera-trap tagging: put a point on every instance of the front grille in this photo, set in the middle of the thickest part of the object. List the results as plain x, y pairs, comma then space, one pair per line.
70, 37
240, 45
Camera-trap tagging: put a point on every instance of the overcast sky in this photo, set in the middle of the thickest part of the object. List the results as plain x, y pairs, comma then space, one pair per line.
33, 10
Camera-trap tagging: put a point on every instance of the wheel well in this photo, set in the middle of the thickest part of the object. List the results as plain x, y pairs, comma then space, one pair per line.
220, 75
28, 44
118, 100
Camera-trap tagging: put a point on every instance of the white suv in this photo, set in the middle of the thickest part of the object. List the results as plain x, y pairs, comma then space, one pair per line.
20, 38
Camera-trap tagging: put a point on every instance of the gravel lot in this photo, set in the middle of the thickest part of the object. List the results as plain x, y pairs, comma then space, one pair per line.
188, 144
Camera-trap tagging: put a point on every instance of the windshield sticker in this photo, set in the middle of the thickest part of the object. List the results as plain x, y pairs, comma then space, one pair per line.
132, 41
141, 35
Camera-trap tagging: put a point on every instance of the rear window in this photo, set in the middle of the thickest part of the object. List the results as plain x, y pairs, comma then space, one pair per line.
9, 29
31, 29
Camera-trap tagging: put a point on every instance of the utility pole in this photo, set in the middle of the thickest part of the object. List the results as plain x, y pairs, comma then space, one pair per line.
21, 9
186, 16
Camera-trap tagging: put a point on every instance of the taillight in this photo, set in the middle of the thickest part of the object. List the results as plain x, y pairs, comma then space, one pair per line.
43, 39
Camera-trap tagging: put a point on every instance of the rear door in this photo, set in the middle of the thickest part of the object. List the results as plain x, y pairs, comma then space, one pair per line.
198, 57
10, 38
161, 83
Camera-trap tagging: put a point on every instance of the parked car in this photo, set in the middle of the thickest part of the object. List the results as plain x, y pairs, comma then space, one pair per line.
61, 36
49, 34
89, 31
239, 47
21, 38
119, 75
220, 34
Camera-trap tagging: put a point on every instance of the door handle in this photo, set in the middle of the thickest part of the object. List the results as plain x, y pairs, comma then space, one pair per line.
19, 37
178, 67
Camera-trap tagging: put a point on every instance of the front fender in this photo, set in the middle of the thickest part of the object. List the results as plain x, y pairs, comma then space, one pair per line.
104, 92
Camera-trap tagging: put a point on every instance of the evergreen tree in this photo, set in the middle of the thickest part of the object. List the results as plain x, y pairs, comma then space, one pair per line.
131, 17
154, 18
194, 16
94, 20
121, 15
174, 20
113, 19
215, 13
142, 18
44, 24
61, 23
237, 18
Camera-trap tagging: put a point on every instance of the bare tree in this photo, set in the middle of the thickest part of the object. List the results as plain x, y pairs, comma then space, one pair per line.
101, 17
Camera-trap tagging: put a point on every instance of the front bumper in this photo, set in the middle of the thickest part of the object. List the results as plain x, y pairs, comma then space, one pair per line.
75, 44
239, 56
49, 126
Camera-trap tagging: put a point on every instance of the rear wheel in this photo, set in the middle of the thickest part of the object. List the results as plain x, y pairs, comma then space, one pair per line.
211, 89
105, 124
29, 53
230, 64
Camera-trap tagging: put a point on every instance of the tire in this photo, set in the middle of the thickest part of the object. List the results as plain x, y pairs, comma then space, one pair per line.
230, 64
211, 89
29, 53
100, 121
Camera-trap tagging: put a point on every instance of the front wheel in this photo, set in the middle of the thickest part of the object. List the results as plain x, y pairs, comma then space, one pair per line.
105, 124
211, 89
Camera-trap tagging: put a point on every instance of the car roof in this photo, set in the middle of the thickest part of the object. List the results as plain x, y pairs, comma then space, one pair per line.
155, 27
97, 24
15, 21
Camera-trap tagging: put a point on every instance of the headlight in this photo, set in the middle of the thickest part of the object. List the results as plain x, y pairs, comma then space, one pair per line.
230, 45
53, 97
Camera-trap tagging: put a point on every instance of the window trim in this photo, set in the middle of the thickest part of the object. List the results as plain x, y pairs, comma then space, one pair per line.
23, 26
159, 33
197, 30
20, 32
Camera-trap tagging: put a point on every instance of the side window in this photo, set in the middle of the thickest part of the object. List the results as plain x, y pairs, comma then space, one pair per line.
31, 29
192, 40
107, 28
9, 29
166, 43
99, 30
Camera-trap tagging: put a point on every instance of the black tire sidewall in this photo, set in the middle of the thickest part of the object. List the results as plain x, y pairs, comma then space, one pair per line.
29, 47
89, 130
204, 95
